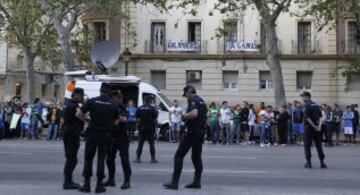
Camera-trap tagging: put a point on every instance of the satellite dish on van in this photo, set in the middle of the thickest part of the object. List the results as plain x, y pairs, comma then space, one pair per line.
105, 54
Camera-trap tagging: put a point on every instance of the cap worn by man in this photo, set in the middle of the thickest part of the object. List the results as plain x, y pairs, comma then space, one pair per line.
189, 88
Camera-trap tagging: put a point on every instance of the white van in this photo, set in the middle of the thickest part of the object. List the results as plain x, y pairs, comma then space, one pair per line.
132, 88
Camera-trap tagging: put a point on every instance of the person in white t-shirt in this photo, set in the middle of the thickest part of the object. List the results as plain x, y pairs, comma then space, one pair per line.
175, 114
25, 121
225, 119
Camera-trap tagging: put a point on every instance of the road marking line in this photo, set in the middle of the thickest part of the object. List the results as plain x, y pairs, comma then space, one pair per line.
217, 157
212, 171
16, 153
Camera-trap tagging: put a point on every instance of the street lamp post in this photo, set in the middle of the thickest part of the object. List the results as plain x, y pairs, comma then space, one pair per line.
126, 57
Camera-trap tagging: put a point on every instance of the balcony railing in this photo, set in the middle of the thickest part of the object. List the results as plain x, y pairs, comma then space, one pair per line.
177, 47
310, 47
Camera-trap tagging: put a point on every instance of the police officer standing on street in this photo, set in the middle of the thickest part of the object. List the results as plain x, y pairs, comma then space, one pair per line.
147, 118
312, 117
120, 142
71, 138
103, 115
195, 121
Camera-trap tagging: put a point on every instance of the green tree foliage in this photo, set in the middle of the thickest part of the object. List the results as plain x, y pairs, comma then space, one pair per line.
28, 27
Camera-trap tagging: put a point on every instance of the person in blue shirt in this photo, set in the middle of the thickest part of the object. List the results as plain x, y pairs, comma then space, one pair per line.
348, 117
132, 119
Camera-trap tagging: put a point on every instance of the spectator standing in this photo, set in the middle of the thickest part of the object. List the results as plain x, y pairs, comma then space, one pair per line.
323, 123
214, 114
338, 114
132, 119
298, 123
348, 117
290, 134
225, 119
25, 121
2, 125
252, 123
355, 121
34, 121
175, 121
263, 115
53, 117
8, 112
271, 124
236, 123
244, 118
329, 126
283, 126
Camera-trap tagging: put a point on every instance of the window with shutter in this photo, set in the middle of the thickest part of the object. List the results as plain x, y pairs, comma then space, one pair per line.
100, 31
304, 37
158, 37
265, 81
304, 80
230, 80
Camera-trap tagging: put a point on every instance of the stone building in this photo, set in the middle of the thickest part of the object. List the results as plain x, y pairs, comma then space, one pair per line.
173, 49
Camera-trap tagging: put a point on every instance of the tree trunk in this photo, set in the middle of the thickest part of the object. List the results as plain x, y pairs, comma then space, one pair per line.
273, 61
69, 60
30, 76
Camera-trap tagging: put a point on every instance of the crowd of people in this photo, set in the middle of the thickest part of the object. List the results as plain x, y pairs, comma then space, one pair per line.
243, 124
246, 124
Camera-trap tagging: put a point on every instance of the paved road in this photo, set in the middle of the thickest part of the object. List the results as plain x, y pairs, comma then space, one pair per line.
35, 168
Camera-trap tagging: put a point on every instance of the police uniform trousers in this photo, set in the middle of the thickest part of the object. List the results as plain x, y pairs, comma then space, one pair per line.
151, 139
119, 143
96, 142
193, 139
312, 135
71, 141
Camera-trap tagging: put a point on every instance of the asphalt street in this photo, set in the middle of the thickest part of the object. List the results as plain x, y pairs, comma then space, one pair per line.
35, 168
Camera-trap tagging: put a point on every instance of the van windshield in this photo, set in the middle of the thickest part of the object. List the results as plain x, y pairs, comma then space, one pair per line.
167, 101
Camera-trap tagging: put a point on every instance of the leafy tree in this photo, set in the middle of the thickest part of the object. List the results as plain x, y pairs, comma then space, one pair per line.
66, 13
33, 32
327, 12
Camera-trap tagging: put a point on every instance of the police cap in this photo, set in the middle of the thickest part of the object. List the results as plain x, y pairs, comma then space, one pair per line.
189, 88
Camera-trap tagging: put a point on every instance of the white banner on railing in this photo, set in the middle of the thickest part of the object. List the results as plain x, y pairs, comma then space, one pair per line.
242, 46
183, 46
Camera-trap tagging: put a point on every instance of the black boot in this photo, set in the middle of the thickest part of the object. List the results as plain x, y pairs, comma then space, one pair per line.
125, 185
100, 187
196, 184
110, 182
171, 185
154, 161
86, 186
308, 164
70, 185
323, 165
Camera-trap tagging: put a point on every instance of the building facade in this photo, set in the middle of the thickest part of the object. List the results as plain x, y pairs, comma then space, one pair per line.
173, 49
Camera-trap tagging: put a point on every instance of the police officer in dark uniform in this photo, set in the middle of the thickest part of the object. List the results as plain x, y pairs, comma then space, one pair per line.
195, 120
312, 117
120, 142
71, 138
103, 115
147, 118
